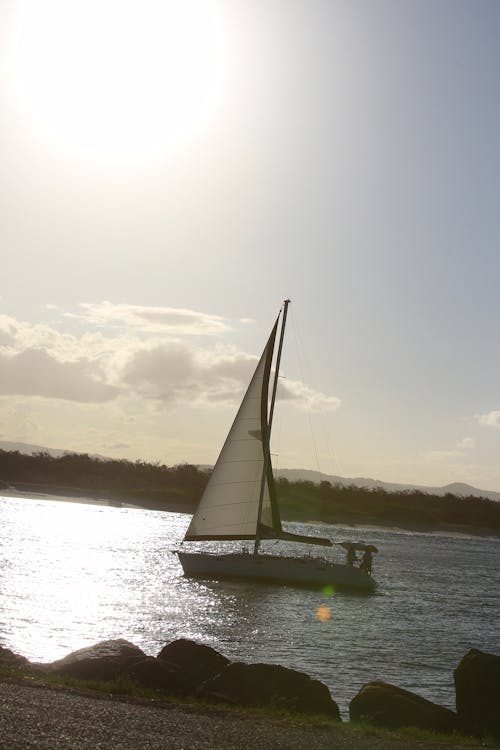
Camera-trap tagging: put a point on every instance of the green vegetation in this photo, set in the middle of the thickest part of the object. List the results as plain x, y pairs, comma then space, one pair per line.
149, 485
417, 735
180, 487
407, 509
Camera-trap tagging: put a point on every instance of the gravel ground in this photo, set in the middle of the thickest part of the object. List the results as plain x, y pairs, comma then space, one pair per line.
50, 718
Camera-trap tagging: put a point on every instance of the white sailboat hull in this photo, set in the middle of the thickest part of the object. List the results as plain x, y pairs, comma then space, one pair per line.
302, 571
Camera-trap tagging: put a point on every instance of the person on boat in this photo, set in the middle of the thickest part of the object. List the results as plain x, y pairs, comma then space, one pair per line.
351, 556
366, 562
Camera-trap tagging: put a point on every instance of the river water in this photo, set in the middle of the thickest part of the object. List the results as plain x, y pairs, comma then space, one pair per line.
72, 574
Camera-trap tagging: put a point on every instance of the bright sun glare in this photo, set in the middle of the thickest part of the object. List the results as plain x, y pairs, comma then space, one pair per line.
118, 80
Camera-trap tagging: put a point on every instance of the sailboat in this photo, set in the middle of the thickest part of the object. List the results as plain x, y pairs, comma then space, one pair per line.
240, 501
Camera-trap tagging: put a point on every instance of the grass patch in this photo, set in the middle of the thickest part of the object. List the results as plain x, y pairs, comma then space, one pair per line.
423, 735
120, 686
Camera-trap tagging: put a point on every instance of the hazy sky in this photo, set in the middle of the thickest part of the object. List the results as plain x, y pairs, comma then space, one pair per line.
169, 173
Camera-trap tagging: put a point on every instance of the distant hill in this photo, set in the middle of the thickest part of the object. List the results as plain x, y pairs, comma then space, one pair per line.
296, 475
456, 488
29, 450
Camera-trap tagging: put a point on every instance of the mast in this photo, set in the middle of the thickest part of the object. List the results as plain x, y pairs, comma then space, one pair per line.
276, 374
267, 447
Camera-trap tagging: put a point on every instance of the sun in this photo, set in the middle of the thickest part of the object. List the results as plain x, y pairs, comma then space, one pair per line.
118, 80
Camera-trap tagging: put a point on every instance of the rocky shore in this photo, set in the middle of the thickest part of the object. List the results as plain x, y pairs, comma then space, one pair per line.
215, 692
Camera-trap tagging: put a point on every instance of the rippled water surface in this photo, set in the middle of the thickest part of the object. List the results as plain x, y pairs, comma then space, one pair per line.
73, 574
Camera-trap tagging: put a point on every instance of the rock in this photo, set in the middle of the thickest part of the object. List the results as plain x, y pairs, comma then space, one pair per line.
159, 675
271, 686
9, 659
104, 661
477, 688
390, 706
196, 661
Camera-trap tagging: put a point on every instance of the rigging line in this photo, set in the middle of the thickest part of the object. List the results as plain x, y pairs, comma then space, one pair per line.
298, 350
278, 423
277, 433
280, 418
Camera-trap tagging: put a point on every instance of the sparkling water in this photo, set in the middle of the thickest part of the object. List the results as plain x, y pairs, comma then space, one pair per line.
72, 574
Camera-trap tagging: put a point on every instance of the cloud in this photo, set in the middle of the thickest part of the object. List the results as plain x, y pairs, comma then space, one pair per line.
491, 419
156, 320
40, 360
20, 336
34, 372
7, 331
303, 397
176, 373
6, 338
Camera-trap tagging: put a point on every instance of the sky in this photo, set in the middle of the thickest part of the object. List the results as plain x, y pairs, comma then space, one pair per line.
171, 172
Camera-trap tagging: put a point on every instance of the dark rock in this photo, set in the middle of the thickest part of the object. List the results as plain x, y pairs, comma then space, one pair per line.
104, 661
196, 661
271, 686
159, 675
390, 706
477, 688
9, 659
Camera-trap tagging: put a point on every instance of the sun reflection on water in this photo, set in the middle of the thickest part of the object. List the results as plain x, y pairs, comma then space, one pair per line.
81, 569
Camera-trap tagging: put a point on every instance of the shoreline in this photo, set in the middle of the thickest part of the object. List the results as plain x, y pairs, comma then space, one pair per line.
73, 495
72, 717
104, 684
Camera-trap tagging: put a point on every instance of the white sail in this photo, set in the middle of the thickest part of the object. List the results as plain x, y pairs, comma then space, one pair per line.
229, 508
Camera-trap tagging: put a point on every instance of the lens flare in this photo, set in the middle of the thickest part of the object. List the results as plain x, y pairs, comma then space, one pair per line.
323, 613
328, 590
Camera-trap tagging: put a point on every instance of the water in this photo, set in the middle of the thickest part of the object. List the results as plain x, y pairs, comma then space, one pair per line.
73, 574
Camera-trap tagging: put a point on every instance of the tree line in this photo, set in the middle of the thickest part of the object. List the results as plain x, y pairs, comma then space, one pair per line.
179, 487
406, 508
152, 485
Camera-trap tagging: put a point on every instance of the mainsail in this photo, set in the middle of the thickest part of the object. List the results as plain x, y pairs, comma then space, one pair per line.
239, 501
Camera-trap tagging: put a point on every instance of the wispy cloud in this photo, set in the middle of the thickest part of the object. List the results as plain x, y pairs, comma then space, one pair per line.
491, 419
461, 449
156, 320
466, 443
